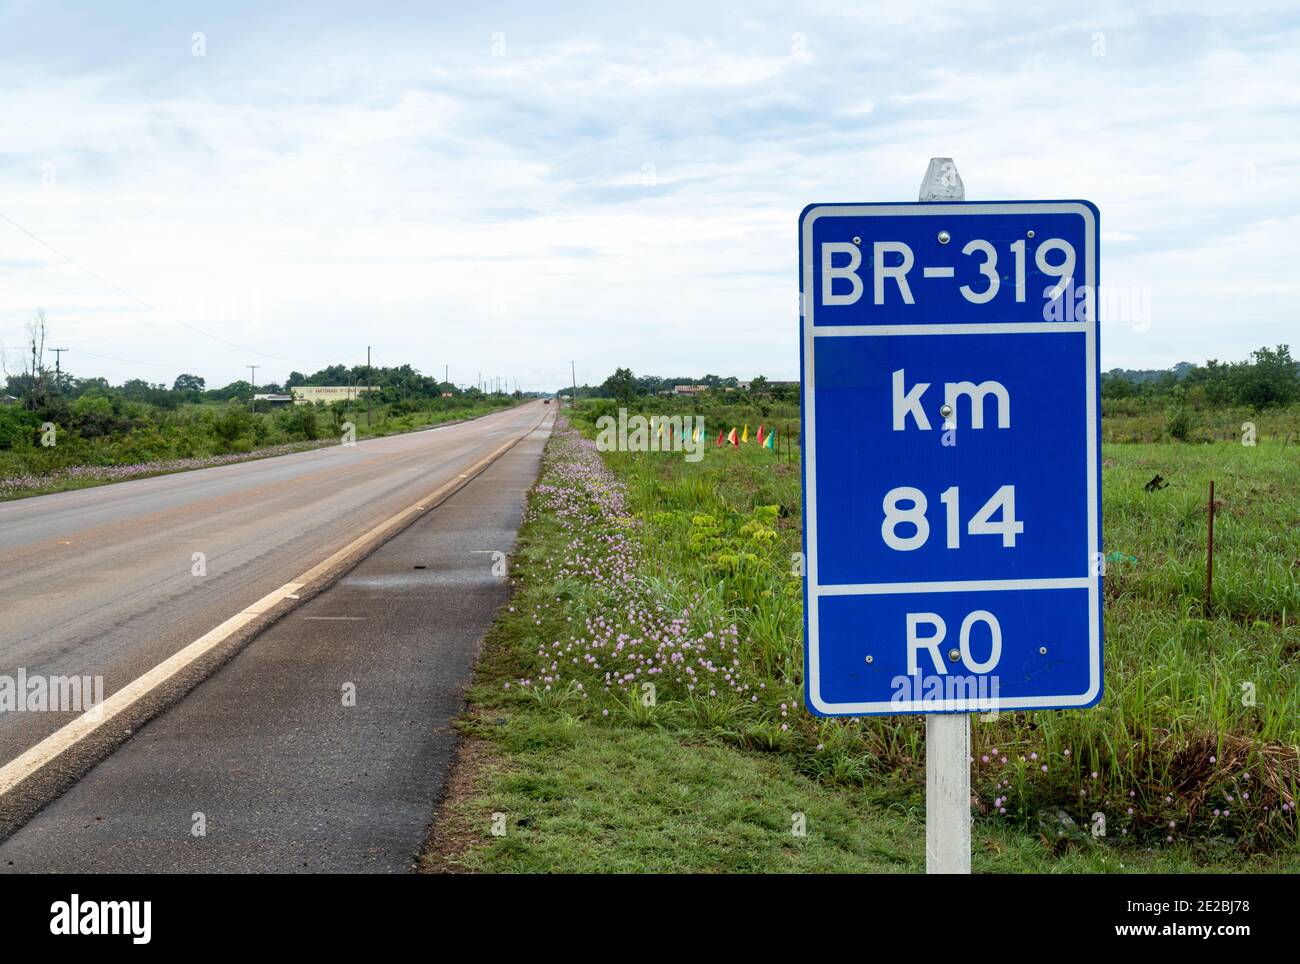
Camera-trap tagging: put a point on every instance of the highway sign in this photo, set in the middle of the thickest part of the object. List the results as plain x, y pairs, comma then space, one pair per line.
951, 456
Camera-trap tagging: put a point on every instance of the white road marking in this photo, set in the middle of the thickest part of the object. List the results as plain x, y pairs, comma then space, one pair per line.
61, 740
25, 764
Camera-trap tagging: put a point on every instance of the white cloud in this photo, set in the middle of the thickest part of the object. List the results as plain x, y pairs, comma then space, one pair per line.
617, 196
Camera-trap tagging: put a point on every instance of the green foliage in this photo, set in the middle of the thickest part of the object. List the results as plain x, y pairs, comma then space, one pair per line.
621, 386
299, 421
102, 428
645, 788
233, 422
1270, 379
1180, 424
717, 538
18, 426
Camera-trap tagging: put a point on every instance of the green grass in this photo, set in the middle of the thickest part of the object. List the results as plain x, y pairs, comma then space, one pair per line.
579, 796
709, 545
164, 442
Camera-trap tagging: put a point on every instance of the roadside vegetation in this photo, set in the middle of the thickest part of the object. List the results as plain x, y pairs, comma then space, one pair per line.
60, 432
639, 704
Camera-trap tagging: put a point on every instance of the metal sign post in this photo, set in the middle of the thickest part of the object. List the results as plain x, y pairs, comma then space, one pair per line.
951, 469
947, 735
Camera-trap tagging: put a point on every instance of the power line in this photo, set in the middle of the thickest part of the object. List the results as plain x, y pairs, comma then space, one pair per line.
140, 301
131, 361
176, 368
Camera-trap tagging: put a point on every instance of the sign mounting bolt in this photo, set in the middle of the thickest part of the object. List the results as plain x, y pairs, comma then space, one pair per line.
1042, 650
857, 240
946, 411
944, 237
953, 655
870, 658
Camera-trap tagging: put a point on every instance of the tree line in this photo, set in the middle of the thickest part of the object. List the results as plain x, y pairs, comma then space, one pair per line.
1270, 378
40, 392
624, 386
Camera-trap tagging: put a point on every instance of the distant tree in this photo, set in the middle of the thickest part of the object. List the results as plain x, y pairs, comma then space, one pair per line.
188, 383
93, 415
1115, 385
20, 384
138, 390
1270, 380
651, 385
32, 381
758, 385
92, 386
621, 386
785, 393
336, 375
239, 389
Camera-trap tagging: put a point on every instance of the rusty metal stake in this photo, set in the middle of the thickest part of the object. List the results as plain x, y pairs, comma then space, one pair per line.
1209, 554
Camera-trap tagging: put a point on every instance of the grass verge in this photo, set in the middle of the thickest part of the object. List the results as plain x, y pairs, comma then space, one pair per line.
640, 700
103, 465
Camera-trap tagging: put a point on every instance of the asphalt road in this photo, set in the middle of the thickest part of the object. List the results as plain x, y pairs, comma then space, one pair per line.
267, 759
100, 581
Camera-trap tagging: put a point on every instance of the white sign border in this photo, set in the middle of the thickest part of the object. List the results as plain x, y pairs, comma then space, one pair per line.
813, 590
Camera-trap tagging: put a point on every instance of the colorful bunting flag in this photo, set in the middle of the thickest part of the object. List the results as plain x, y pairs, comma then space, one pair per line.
733, 439
771, 439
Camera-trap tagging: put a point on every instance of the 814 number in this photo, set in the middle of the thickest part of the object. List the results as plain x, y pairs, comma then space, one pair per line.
1002, 502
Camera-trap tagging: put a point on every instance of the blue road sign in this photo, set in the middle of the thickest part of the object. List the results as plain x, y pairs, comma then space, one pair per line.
951, 456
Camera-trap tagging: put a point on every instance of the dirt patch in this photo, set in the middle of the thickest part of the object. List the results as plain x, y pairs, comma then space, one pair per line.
452, 835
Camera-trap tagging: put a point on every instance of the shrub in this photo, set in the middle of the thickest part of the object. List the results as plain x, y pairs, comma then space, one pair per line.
233, 422
17, 426
1180, 424
300, 422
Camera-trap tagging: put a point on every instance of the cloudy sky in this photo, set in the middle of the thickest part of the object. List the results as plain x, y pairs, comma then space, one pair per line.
503, 188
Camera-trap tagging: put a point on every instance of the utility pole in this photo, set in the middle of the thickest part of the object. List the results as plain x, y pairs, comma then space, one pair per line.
574, 372
446, 373
252, 385
58, 371
368, 388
